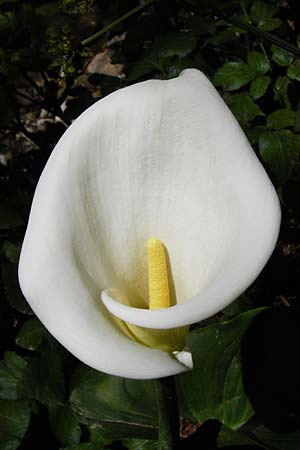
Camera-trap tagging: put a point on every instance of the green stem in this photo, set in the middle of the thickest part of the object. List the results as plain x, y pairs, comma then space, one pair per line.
116, 22
168, 415
262, 34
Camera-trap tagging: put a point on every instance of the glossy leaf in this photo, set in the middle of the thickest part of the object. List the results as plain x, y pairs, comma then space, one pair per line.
281, 91
214, 388
254, 134
119, 407
281, 56
170, 44
280, 149
11, 375
140, 444
233, 75
44, 380
14, 420
31, 334
65, 425
11, 251
243, 107
259, 86
258, 62
281, 118
7, 21
261, 13
97, 437
85, 446
293, 72
239, 306
164, 47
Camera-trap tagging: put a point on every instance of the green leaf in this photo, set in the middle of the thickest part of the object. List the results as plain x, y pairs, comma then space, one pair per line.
293, 72
11, 374
118, 407
280, 149
233, 75
173, 44
7, 21
13, 292
213, 389
14, 420
140, 444
281, 91
65, 424
245, 5
231, 437
164, 47
259, 86
31, 334
85, 446
281, 118
174, 67
281, 441
270, 24
243, 107
11, 251
44, 380
222, 38
258, 62
239, 306
254, 133
262, 12
281, 56
142, 68
97, 437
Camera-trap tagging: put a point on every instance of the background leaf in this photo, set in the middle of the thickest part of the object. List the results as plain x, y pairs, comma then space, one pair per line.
258, 62
213, 389
243, 107
262, 14
259, 86
281, 118
293, 71
11, 375
44, 379
233, 75
281, 441
117, 406
65, 424
31, 334
281, 56
14, 419
280, 149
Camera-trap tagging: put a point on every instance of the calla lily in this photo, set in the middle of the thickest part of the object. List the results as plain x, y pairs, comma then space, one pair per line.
158, 158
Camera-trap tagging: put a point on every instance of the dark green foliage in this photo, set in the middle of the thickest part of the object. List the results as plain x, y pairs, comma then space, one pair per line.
44, 86
214, 389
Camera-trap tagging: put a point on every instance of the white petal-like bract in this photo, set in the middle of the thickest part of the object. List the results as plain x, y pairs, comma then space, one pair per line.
159, 158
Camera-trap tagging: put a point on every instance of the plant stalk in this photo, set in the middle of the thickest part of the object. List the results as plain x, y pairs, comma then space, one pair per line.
168, 415
262, 34
116, 22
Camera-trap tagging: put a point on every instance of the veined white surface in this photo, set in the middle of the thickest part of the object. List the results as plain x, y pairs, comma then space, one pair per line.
159, 158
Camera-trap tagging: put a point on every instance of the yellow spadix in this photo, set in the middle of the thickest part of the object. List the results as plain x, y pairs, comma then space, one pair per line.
158, 280
170, 340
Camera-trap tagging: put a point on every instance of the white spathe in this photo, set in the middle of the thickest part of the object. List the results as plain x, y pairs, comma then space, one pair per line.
159, 158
